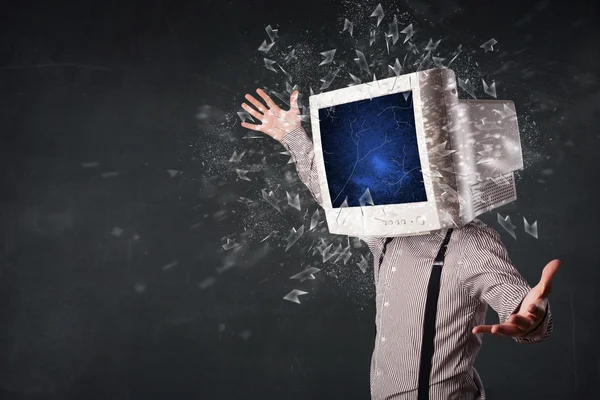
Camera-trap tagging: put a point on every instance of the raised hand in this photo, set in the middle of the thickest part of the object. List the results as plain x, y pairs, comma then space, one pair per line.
532, 310
275, 122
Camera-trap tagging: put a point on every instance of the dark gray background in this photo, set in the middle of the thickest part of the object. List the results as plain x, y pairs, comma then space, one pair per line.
86, 313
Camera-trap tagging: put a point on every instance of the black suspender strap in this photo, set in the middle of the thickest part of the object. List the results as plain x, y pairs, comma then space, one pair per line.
433, 293
387, 241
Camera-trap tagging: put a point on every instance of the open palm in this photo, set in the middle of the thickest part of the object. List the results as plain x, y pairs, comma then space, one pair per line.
275, 122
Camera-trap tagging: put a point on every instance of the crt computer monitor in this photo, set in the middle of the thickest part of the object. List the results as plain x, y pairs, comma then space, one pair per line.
404, 156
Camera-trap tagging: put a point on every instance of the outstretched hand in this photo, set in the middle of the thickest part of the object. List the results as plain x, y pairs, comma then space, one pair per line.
275, 122
532, 310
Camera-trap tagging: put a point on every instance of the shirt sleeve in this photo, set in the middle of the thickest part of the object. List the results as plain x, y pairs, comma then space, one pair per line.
488, 274
301, 149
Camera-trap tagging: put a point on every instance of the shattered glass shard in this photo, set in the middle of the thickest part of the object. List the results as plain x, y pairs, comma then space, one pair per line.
348, 26
268, 236
293, 201
378, 12
362, 62
507, 225
440, 149
372, 36
425, 62
269, 64
388, 39
241, 174
306, 274
287, 76
270, 198
355, 80
328, 56
489, 45
272, 33
173, 172
244, 116
437, 61
293, 296
491, 89
265, 47
89, 164
251, 135
314, 220
394, 30
328, 79
456, 54
406, 95
431, 45
291, 55
467, 87
327, 253
531, 229
116, 231
312, 93
362, 264
235, 157
230, 244
396, 69
293, 237
409, 32
366, 198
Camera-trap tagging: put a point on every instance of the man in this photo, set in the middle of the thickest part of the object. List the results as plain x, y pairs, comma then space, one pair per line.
428, 318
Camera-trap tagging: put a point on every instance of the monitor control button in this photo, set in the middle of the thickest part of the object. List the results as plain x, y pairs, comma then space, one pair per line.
420, 220
390, 222
403, 221
397, 222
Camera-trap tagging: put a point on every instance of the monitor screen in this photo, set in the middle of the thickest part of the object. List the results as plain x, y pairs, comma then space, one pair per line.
372, 144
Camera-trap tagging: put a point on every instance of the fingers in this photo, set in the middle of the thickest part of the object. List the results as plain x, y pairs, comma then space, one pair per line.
251, 126
524, 324
536, 310
294, 101
252, 112
517, 327
547, 276
259, 106
266, 98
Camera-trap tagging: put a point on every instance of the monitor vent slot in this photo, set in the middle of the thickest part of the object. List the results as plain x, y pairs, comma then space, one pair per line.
493, 193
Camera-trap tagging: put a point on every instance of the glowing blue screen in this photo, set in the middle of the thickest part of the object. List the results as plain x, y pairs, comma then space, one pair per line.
372, 144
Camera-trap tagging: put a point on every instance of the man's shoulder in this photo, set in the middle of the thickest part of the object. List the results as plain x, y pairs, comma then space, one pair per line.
477, 228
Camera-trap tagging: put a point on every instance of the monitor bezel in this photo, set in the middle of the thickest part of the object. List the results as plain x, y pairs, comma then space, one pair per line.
379, 219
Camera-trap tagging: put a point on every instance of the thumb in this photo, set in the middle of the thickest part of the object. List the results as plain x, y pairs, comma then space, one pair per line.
547, 276
294, 100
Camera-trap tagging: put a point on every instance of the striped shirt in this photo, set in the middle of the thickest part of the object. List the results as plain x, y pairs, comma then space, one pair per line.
477, 272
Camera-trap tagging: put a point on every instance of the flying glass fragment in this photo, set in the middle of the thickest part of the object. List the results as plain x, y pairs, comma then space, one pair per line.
378, 12
272, 33
328, 79
366, 199
172, 172
348, 26
394, 30
269, 64
507, 225
489, 45
230, 244
270, 198
531, 229
467, 87
329, 54
265, 47
293, 201
293, 296
314, 220
491, 89
241, 174
362, 62
306, 274
409, 32
293, 237
362, 264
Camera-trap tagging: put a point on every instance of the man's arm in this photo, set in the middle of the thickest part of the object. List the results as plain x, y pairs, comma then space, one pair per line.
488, 274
